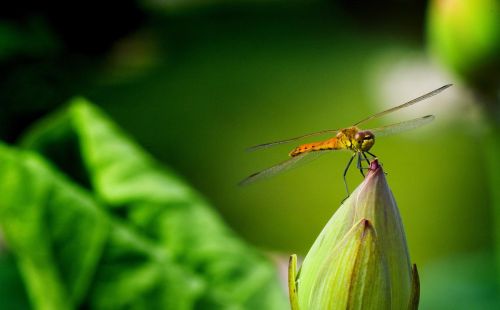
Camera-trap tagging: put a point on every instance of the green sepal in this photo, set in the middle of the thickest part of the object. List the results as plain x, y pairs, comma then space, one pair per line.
292, 284
415, 289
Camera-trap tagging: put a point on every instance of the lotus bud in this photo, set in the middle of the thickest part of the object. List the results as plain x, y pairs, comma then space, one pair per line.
360, 260
465, 36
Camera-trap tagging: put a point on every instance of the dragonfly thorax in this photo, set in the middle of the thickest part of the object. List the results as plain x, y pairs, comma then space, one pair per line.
363, 141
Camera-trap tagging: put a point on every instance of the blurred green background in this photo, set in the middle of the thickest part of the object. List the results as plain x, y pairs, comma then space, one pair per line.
196, 82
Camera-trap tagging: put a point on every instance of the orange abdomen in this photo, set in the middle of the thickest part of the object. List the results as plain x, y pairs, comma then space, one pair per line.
330, 144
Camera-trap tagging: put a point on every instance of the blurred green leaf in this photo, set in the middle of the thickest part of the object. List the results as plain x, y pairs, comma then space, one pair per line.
116, 229
34, 38
13, 295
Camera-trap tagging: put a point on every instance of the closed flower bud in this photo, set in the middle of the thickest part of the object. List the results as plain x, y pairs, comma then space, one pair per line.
360, 260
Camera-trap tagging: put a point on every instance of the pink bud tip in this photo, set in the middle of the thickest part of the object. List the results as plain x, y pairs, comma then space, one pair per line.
374, 165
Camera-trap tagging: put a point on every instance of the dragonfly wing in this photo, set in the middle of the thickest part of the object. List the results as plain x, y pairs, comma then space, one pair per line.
403, 126
283, 166
406, 104
271, 144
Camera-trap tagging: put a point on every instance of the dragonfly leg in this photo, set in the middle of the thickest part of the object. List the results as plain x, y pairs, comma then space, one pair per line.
366, 158
359, 165
345, 174
372, 155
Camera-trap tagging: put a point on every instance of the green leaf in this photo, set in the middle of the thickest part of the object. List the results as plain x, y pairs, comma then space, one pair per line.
13, 295
105, 226
43, 221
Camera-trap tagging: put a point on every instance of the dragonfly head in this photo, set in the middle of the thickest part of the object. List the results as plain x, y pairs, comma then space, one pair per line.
364, 140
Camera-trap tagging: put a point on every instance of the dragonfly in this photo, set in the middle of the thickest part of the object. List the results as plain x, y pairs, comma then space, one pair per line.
352, 138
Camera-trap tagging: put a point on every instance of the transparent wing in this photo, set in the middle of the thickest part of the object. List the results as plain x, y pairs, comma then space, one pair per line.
283, 166
271, 144
404, 105
403, 126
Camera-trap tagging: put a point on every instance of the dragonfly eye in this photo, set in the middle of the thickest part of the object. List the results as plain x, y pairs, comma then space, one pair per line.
365, 140
360, 136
